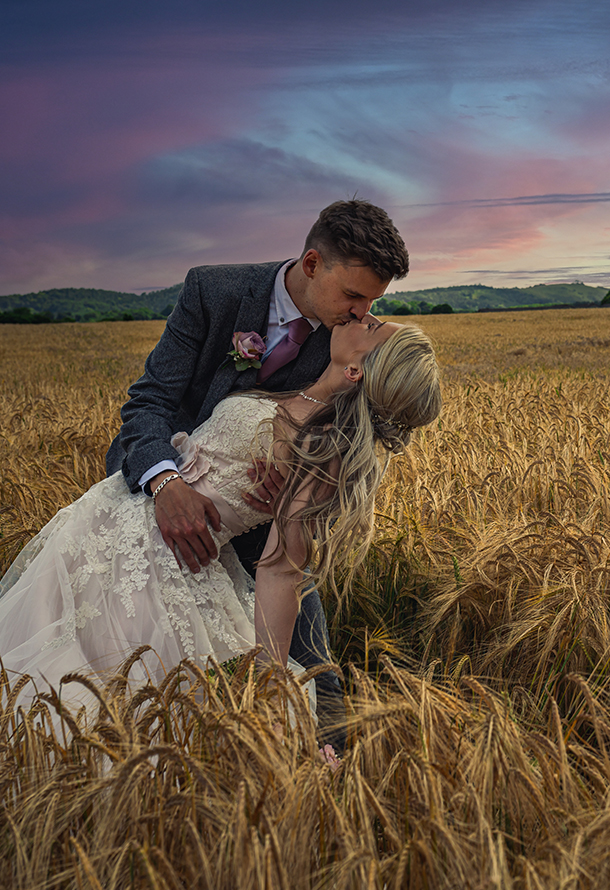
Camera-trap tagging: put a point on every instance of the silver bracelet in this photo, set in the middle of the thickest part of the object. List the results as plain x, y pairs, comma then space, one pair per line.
164, 483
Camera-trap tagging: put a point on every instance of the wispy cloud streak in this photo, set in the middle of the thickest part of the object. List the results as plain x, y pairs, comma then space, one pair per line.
521, 200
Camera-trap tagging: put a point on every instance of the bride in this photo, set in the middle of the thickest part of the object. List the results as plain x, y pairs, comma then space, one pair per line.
99, 580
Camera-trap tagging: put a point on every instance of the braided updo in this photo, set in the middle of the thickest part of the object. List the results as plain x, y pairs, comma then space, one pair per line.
400, 380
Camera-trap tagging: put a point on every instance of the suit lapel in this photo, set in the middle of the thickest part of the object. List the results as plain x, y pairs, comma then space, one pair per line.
253, 315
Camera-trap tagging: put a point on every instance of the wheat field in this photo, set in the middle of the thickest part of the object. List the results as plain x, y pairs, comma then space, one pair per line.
475, 648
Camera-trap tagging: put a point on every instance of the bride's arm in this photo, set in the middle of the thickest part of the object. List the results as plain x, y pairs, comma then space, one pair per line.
276, 599
277, 603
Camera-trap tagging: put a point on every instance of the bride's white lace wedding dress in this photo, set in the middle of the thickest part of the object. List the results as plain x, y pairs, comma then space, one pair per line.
99, 580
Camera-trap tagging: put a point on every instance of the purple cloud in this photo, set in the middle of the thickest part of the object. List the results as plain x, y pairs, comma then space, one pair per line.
141, 138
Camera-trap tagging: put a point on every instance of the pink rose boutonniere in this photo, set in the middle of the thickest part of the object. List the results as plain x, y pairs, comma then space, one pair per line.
248, 350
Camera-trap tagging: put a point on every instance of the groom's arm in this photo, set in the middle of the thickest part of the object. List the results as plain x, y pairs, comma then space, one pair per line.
154, 400
187, 356
149, 423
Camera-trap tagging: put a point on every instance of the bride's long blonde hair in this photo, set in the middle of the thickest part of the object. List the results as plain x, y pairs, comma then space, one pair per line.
341, 452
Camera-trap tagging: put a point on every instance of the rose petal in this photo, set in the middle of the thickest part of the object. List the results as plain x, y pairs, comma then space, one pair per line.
258, 344
249, 345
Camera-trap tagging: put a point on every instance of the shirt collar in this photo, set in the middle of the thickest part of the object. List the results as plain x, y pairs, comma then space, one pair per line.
286, 310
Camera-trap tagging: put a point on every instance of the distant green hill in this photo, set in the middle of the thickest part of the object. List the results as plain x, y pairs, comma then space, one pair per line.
91, 304
471, 298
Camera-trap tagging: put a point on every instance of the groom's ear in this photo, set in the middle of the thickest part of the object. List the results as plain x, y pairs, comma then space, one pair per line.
311, 262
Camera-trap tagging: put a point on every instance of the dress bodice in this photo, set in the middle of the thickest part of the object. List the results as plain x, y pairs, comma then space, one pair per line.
216, 456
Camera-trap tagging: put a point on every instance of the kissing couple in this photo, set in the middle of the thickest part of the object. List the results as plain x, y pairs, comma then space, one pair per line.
244, 473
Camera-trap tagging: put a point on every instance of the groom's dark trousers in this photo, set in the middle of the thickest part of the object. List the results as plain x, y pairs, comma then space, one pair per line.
185, 377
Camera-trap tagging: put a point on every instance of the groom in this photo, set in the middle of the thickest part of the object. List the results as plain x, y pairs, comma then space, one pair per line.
351, 254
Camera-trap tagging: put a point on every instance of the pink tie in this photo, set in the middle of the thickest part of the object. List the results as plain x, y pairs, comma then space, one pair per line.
287, 349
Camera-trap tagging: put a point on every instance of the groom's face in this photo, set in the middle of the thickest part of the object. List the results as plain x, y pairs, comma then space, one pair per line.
339, 293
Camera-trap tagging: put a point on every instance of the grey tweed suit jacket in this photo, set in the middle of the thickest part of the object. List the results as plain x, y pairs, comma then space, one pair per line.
187, 373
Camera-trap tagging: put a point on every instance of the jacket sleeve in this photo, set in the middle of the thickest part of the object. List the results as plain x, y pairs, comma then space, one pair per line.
154, 400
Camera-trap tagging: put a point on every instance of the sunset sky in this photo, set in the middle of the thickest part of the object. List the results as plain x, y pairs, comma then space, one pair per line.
140, 138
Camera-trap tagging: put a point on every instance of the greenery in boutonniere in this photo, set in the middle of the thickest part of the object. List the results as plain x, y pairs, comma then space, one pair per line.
248, 350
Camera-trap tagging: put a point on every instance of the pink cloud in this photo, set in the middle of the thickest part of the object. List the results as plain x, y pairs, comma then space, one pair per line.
446, 244
95, 193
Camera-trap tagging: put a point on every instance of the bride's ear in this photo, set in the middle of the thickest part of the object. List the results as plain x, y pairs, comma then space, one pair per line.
353, 373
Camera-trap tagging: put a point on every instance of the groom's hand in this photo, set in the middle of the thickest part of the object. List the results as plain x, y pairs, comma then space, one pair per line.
270, 482
182, 516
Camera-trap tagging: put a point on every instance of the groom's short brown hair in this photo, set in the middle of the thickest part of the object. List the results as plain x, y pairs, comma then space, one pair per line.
349, 231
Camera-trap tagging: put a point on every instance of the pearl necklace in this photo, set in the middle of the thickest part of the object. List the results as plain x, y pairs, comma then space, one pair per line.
311, 399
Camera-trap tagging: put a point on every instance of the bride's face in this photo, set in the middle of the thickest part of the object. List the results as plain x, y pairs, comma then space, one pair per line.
351, 342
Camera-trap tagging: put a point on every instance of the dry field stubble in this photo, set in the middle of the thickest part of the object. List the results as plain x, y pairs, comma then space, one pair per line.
61, 388
479, 753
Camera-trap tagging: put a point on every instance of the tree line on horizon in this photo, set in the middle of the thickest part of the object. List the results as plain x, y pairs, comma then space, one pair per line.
82, 304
